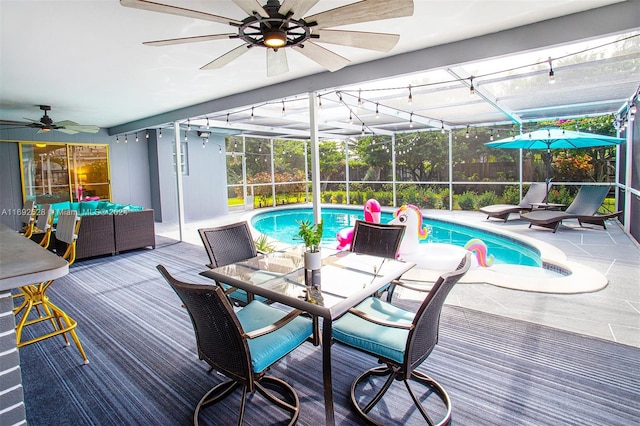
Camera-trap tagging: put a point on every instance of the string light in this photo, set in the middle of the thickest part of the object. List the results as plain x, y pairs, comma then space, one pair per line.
411, 120
466, 135
472, 90
284, 112
320, 101
359, 97
185, 135
188, 124
410, 100
362, 129
117, 139
252, 116
137, 138
491, 135
160, 134
146, 135
228, 119
350, 117
126, 138
207, 126
442, 127
377, 110
552, 75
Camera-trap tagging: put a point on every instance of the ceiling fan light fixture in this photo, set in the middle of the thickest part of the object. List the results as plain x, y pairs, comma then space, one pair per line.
275, 38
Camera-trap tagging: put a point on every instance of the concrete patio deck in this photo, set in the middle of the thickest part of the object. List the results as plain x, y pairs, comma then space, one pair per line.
612, 313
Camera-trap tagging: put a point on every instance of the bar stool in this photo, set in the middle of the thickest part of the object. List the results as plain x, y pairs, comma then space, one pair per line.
27, 217
35, 294
41, 232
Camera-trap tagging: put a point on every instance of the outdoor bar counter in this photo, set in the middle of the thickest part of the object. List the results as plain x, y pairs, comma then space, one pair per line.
22, 262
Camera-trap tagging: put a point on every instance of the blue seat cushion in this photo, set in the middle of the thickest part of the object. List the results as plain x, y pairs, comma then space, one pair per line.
267, 349
387, 342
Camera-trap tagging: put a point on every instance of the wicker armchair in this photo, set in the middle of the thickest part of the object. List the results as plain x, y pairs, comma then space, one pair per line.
228, 244
242, 345
378, 239
402, 341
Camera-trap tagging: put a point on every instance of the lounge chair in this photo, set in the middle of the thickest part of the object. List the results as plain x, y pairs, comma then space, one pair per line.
584, 208
536, 194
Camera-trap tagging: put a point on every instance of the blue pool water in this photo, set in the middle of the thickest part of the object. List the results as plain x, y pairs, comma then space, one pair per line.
282, 226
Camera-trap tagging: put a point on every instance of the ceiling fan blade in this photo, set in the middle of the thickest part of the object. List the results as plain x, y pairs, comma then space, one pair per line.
228, 57
175, 10
67, 126
251, 6
276, 62
194, 39
299, 7
362, 11
381, 42
63, 130
325, 57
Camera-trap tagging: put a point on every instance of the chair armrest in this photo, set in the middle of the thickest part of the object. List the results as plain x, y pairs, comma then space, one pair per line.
410, 287
378, 321
275, 326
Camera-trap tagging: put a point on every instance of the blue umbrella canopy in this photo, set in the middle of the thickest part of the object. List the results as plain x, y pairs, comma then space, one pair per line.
554, 138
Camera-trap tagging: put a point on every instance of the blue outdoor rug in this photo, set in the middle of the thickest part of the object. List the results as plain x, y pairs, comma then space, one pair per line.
144, 369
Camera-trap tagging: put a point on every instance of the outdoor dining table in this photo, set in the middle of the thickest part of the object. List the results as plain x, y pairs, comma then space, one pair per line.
346, 279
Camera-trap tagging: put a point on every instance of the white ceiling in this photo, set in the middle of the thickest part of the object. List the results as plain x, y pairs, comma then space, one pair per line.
85, 58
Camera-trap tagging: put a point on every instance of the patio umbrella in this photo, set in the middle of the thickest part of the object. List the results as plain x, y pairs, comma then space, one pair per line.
554, 138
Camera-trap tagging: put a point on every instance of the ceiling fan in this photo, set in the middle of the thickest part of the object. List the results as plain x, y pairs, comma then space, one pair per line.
276, 26
46, 124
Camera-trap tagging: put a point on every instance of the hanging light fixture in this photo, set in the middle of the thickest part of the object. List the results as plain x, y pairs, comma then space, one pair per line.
552, 75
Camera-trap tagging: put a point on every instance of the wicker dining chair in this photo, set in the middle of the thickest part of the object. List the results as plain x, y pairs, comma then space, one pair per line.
401, 340
228, 244
242, 345
378, 239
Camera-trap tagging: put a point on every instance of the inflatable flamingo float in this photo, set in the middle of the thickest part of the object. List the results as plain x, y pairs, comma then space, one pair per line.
371, 214
436, 256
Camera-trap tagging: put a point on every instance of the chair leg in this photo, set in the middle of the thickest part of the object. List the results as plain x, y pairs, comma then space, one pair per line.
294, 408
393, 373
221, 391
35, 296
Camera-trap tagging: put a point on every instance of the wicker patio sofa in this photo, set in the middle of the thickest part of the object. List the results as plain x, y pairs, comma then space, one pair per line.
110, 230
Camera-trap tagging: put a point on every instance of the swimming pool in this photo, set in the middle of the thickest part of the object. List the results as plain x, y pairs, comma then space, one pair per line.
281, 225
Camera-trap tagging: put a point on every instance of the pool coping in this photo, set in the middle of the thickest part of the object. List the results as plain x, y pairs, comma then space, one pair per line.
573, 277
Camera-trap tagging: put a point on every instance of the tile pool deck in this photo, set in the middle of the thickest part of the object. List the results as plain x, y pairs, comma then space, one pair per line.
612, 313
